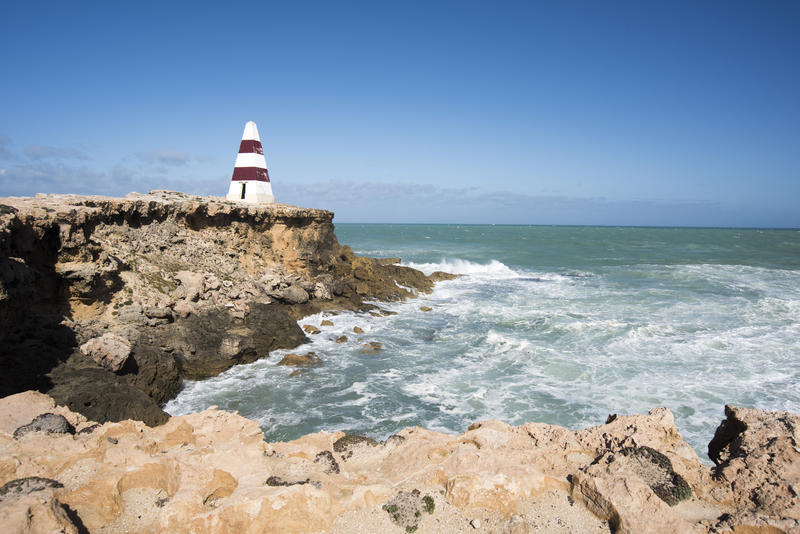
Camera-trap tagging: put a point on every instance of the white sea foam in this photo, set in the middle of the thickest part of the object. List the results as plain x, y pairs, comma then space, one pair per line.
494, 268
561, 346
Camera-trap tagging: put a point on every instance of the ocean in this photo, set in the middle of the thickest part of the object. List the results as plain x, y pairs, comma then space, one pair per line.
561, 325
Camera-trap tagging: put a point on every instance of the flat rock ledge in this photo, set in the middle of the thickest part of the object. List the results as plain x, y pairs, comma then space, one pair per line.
213, 472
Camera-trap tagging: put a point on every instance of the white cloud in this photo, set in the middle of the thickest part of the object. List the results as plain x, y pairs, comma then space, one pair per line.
165, 156
38, 152
426, 203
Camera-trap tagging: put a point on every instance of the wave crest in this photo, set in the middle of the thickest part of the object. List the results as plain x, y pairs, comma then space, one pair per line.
494, 268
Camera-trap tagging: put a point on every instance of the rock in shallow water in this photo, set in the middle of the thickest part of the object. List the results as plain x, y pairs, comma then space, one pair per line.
296, 360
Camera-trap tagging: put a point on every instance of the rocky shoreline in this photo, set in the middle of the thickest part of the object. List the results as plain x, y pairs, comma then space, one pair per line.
213, 472
108, 303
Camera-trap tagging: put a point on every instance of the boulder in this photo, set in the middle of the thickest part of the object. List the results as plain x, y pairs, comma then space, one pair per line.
49, 423
103, 396
197, 340
110, 351
372, 347
292, 294
192, 284
757, 455
439, 276
296, 360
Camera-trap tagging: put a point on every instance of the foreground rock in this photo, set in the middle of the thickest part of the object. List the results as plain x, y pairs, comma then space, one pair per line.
108, 303
213, 472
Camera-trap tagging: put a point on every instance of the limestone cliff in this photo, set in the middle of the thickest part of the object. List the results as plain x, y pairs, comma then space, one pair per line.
106, 303
213, 472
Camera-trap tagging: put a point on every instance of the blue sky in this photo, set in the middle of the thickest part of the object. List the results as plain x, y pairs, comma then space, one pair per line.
621, 113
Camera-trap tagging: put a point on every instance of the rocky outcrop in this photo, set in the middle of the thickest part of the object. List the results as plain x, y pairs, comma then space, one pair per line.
107, 303
213, 472
757, 456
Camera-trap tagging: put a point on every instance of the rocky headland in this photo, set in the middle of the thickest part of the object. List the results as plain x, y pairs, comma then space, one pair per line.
106, 304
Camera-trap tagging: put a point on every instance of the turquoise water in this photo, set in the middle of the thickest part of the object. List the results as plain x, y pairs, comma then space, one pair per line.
560, 325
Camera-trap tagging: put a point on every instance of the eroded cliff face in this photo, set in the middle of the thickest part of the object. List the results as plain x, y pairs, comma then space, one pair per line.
213, 472
106, 303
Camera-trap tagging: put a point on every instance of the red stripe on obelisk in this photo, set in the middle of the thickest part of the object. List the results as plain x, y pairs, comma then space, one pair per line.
250, 146
250, 173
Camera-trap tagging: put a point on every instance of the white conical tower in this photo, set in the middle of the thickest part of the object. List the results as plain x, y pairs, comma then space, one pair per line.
250, 182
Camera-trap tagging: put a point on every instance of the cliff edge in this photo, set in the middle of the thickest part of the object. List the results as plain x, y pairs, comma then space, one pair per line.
107, 303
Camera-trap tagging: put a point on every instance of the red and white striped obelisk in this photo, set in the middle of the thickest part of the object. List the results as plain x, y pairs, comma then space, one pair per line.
250, 182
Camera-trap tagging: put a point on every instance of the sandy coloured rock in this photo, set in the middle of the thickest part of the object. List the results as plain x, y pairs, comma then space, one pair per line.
110, 351
297, 360
310, 329
213, 472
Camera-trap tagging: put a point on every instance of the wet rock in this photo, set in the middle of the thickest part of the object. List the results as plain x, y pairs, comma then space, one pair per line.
110, 351
372, 347
326, 322
357, 330
103, 396
425, 308
266, 328
310, 329
341, 339
296, 360
49, 423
